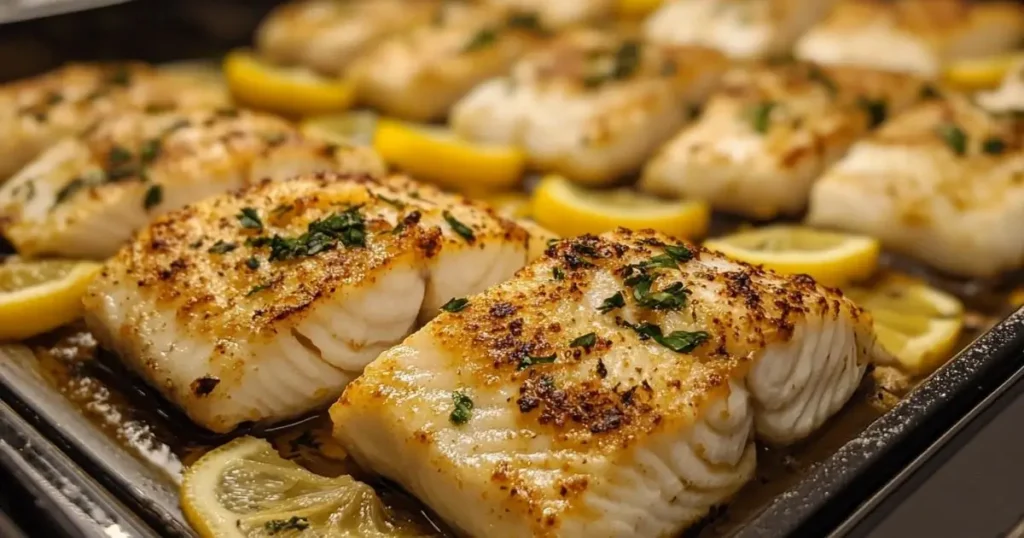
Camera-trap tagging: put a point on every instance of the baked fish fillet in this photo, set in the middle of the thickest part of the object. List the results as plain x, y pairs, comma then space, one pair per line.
742, 29
611, 388
420, 74
84, 197
917, 36
38, 111
326, 35
262, 304
943, 182
769, 131
561, 13
592, 105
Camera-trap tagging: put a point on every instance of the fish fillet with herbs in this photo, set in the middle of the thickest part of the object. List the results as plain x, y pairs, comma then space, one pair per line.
742, 29
327, 35
420, 74
592, 105
85, 196
614, 387
915, 36
943, 182
39, 111
261, 305
769, 131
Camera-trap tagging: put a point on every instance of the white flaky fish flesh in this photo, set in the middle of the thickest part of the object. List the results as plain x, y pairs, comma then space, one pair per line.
613, 388
261, 305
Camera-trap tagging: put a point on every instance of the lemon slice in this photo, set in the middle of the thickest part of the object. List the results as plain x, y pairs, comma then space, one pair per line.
246, 489
356, 127
831, 258
638, 8
40, 296
285, 90
917, 324
980, 73
437, 155
569, 210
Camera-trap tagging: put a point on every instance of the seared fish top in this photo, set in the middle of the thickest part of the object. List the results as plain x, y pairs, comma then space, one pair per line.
611, 388
742, 29
917, 36
85, 196
38, 111
291, 287
326, 35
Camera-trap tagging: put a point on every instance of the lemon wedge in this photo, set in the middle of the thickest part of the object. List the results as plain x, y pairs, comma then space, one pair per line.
40, 296
285, 90
917, 324
831, 258
246, 489
638, 8
569, 210
435, 154
356, 127
980, 73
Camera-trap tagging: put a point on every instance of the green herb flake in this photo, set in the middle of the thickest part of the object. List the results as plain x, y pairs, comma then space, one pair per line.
876, 109
678, 341
611, 303
222, 247
69, 190
993, 146
150, 151
118, 155
322, 235
154, 195
294, 523
671, 298
397, 204
530, 360
252, 263
456, 304
558, 274
586, 341
195, 244
465, 231
954, 137
282, 209
525, 21
463, 408
760, 116
662, 260
679, 253
249, 219
482, 39
625, 61
256, 289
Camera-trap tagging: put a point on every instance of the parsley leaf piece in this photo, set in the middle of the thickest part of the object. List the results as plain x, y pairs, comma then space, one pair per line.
249, 219
525, 21
679, 253
256, 289
993, 146
463, 408
465, 231
150, 151
252, 263
586, 341
222, 247
397, 204
294, 523
154, 195
678, 341
611, 303
558, 274
760, 116
118, 156
456, 304
670, 298
530, 360
482, 39
954, 136
69, 190
662, 260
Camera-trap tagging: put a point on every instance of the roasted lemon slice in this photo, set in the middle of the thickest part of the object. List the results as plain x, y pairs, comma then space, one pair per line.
831, 258
40, 296
356, 127
980, 73
917, 324
570, 210
638, 8
286, 90
435, 154
245, 489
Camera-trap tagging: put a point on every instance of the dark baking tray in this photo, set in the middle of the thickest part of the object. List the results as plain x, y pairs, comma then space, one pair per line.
813, 505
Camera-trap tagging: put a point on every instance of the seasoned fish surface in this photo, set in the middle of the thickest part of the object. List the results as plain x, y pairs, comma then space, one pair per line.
916, 36
39, 111
84, 197
943, 182
563, 12
770, 131
420, 74
592, 105
742, 29
611, 388
261, 305
326, 35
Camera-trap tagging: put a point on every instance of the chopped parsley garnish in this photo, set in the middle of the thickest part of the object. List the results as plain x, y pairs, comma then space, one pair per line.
670, 298
249, 219
525, 21
613, 302
678, 341
256, 289
662, 260
252, 263
118, 156
195, 244
322, 235
530, 360
465, 231
679, 253
954, 136
154, 195
282, 209
456, 304
587, 340
463, 408
397, 204
625, 62
150, 151
993, 146
482, 39
557, 274
294, 523
28, 187
760, 116
69, 190
222, 247
876, 109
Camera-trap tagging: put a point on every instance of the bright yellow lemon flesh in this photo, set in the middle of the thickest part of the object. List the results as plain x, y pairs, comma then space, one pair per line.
39, 296
292, 91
